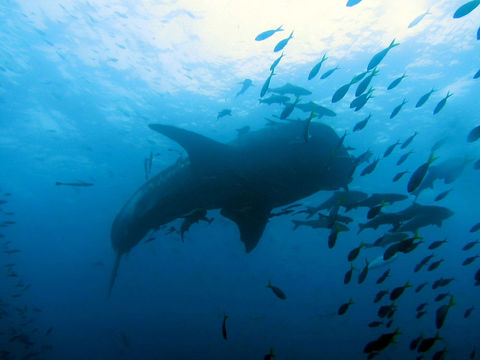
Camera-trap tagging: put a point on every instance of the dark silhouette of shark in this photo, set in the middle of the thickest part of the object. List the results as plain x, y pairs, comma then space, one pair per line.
245, 178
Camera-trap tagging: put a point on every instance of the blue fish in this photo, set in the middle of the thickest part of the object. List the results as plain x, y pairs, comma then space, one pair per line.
282, 43
423, 99
477, 75
466, 9
397, 81
266, 84
275, 63
365, 82
397, 109
317, 67
361, 124
245, 85
351, 3
418, 19
441, 104
266, 34
329, 72
378, 57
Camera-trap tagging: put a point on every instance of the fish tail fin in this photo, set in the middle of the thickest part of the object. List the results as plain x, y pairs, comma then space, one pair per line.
280, 28
269, 285
113, 276
393, 44
452, 301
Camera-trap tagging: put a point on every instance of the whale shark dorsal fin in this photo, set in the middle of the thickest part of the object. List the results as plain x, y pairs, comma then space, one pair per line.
200, 149
251, 222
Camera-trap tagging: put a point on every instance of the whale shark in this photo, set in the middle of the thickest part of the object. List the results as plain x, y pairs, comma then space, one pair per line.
246, 179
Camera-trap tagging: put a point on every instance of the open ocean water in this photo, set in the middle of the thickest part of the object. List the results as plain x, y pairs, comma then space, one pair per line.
80, 83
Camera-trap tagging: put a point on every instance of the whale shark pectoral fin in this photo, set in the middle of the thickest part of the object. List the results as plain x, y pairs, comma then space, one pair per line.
200, 149
251, 222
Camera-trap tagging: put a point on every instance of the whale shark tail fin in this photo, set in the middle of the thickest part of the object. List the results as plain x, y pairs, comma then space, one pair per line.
113, 276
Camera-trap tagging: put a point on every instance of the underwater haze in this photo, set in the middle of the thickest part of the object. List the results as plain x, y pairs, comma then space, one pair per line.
193, 179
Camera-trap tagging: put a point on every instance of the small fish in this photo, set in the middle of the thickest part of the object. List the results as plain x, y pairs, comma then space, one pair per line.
476, 165
359, 102
474, 135
475, 227
266, 84
341, 92
390, 149
437, 244
327, 73
477, 75
49, 331
406, 143
420, 314
270, 355
275, 63
398, 108
279, 293
370, 167
224, 327
282, 43
348, 275
377, 58
423, 99
435, 265
399, 175
441, 103
380, 296
418, 19
386, 310
470, 260
289, 109
352, 255
427, 343
421, 307
375, 324
468, 312
422, 263
77, 184
442, 313
398, 291
351, 3
441, 283
470, 245
420, 287
382, 278
365, 83
364, 273
361, 124
466, 9
419, 174
266, 34
344, 307
441, 296
440, 354
317, 67
414, 343
396, 82
381, 343
224, 112
332, 237
442, 195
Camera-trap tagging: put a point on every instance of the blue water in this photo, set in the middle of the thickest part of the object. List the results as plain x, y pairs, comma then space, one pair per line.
79, 83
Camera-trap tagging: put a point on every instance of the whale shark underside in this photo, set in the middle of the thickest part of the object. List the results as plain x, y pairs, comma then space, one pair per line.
246, 179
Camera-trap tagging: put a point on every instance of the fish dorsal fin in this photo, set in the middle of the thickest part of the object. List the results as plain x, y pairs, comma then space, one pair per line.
251, 222
201, 149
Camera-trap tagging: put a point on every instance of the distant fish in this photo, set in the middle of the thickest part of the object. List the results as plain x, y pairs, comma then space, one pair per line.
359, 102
468, 312
441, 103
478, 34
365, 83
378, 57
275, 63
399, 175
419, 174
374, 347
469, 260
266, 34
361, 124
398, 291
397, 109
266, 84
379, 296
477, 75
466, 9
418, 19
427, 343
348, 274
223, 113
420, 287
344, 307
275, 99
474, 135
282, 43
49, 331
363, 275
475, 227
277, 291
414, 343
327, 73
289, 109
442, 313
442, 195
224, 327
423, 99
270, 355
317, 67
79, 184
291, 89
384, 276
435, 265
397, 81
370, 167
422, 263
404, 157
436, 244
245, 85
470, 245
476, 165
351, 3
390, 149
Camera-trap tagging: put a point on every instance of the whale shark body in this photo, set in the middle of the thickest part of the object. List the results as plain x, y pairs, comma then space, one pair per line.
246, 178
